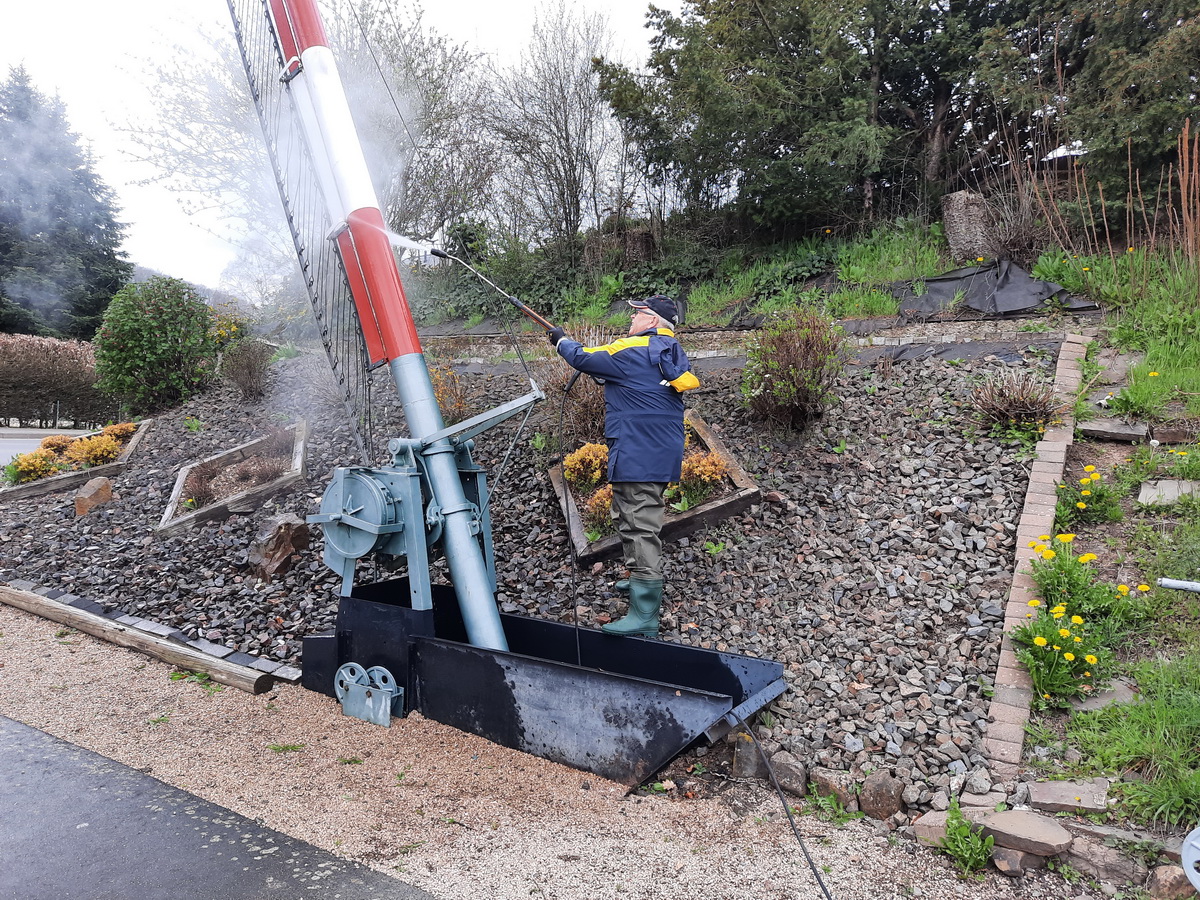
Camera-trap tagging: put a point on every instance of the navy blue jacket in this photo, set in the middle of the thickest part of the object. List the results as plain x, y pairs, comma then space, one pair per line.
643, 375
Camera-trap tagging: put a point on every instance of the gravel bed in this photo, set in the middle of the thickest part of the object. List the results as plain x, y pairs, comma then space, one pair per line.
877, 574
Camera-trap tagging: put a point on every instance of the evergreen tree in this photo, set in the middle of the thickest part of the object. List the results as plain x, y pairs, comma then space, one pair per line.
60, 257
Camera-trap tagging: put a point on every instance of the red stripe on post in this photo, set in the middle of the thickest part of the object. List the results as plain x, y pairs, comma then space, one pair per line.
380, 279
362, 302
299, 26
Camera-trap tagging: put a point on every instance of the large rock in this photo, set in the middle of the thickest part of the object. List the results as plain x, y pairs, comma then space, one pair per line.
1104, 863
791, 773
1070, 796
1028, 831
95, 493
880, 795
1015, 863
1169, 883
837, 784
278, 546
747, 761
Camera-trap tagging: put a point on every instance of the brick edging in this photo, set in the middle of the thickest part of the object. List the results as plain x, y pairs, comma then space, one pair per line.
1009, 709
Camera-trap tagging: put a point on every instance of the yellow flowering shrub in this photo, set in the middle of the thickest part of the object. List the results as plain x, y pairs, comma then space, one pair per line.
56, 443
92, 451
122, 431
586, 467
33, 465
597, 513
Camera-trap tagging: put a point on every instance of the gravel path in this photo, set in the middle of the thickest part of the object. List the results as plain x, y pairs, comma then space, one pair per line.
877, 578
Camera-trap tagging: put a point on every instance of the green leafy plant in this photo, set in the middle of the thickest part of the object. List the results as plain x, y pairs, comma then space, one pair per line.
160, 720
1061, 654
965, 843
285, 748
350, 760
201, 678
1089, 501
156, 346
828, 808
714, 548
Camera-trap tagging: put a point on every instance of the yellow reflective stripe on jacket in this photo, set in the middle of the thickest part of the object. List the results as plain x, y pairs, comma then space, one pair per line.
685, 382
640, 340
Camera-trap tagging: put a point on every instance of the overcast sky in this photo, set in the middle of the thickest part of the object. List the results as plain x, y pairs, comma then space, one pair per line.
94, 53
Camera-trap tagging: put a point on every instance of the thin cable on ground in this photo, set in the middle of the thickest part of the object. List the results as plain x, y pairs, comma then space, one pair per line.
787, 808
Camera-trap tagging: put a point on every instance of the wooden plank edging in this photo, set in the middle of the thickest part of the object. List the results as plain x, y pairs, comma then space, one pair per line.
241, 677
82, 476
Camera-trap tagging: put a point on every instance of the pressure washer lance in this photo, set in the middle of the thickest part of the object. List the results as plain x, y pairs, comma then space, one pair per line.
524, 310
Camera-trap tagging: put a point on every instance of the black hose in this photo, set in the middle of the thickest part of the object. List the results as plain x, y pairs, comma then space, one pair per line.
786, 806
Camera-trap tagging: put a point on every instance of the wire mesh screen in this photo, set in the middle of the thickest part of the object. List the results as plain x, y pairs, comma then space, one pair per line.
320, 263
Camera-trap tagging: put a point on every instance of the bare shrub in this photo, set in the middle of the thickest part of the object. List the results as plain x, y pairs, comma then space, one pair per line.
583, 409
198, 488
791, 365
1010, 397
450, 394
246, 364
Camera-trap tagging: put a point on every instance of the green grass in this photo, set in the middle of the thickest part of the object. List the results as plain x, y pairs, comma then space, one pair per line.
1156, 738
890, 253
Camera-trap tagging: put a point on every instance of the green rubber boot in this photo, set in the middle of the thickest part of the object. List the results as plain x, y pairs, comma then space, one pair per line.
645, 601
622, 587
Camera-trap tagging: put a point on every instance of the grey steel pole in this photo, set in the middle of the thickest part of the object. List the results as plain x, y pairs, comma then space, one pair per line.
468, 571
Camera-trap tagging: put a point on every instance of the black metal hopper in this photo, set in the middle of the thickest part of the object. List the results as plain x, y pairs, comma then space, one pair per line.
616, 706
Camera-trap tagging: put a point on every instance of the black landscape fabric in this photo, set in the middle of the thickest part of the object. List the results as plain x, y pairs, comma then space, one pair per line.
995, 289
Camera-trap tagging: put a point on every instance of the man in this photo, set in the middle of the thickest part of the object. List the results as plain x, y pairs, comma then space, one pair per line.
644, 375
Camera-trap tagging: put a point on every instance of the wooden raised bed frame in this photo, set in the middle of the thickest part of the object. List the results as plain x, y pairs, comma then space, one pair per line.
81, 476
745, 494
244, 501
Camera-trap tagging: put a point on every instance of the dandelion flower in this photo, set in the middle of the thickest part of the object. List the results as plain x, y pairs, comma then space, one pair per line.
1064, 632
1040, 641
1088, 557
1087, 674
1059, 615
1085, 493
1064, 538
1047, 696
1086, 481
1060, 608
1048, 554
1043, 537
1153, 374
1081, 505
1034, 602
1056, 647
1089, 469
1077, 620
1069, 657
979, 259
1123, 589
1077, 639
1087, 268
1143, 587
1033, 543
1090, 660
